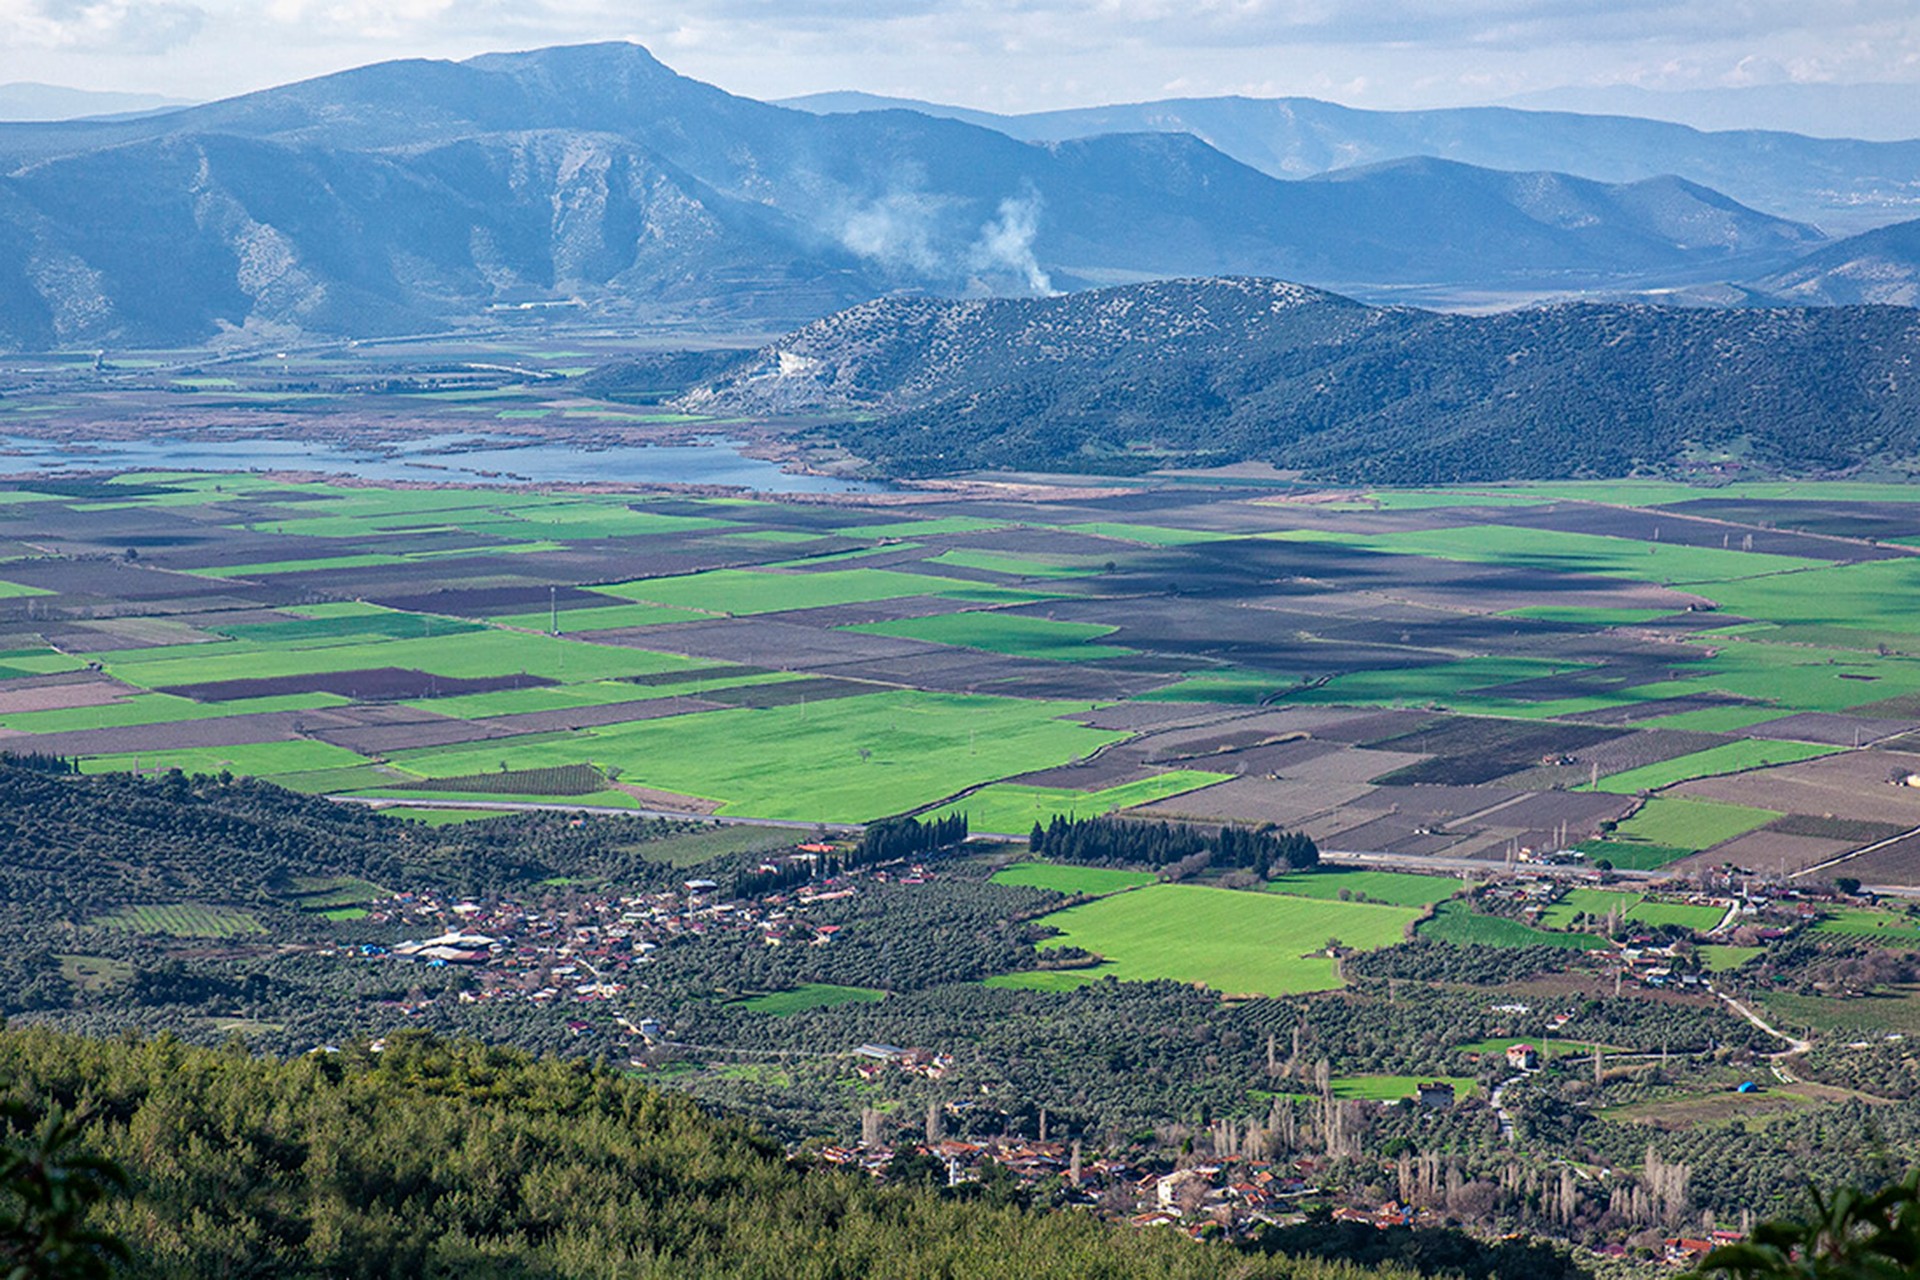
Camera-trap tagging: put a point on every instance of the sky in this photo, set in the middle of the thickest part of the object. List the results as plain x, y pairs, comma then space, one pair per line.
1008, 55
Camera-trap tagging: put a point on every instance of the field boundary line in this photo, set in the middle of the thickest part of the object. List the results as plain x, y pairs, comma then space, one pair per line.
1853, 853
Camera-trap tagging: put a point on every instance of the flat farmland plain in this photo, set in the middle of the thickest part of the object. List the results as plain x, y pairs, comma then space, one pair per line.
1432, 673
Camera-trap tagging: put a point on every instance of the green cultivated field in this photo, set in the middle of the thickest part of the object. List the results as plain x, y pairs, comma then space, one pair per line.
1443, 683
599, 618
1011, 809
1596, 903
183, 920
745, 591
1455, 922
1394, 1088
1699, 919
695, 848
921, 528
1885, 927
846, 760
1723, 959
1887, 1009
1018, 566
811, 995
1150, 535
1396, 888
1069, 879
1734, 757
451, 581
1679, 822
1010, 633
1240, 943
1578, 553
260, 759
472, 653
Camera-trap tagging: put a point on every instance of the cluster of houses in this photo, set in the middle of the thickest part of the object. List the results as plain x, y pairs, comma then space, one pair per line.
876, 1060
1199, 1199
584, 949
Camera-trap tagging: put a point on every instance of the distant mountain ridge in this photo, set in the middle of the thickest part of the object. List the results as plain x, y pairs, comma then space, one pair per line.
26, 101
1226, 370
414, 195
1875, 112
1842, 184
1881, 266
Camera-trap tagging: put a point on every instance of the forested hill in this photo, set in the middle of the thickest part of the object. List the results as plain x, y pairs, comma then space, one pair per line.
435, 1159
1224, 370
73, 848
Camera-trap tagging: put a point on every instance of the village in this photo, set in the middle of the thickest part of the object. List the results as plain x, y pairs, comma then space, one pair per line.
585, 952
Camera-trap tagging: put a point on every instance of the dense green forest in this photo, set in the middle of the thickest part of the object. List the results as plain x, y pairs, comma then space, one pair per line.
73, 847
432, 1158
1122, 842
1218, 371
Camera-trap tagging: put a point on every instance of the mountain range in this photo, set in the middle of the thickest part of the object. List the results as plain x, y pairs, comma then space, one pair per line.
24, 100
1843, 185
1199, 372
415, 195
1882, 112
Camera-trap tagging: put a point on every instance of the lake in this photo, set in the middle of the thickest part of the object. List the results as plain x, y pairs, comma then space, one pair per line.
463, 456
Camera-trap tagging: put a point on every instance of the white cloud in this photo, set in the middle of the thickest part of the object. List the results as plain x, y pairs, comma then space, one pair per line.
135, 26
1000, 54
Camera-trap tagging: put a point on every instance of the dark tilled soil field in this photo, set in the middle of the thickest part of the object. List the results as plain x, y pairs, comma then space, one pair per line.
1282, 759
1854, 520
439, 731
693, 675
1581, 811
790, 693
1440, 804
229, 731
1768, 853
1617, 755
1148, 715
17, 696
1111, 768
390, 684
525, 722
853, 615
125, 581
1827, 727
1904, 707
1683, 530
775, 646
1468, 750
1258, 800
1395, 833
1634, 712
493, 601
1374, 726
1852, 784
1896, 863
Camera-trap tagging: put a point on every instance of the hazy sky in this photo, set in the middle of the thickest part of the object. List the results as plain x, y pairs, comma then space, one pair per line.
1002, 54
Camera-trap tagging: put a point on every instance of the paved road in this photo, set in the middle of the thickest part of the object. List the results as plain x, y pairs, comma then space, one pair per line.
1796, 1046
1496, 1100
1411, 862
1337, 857
556, 806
